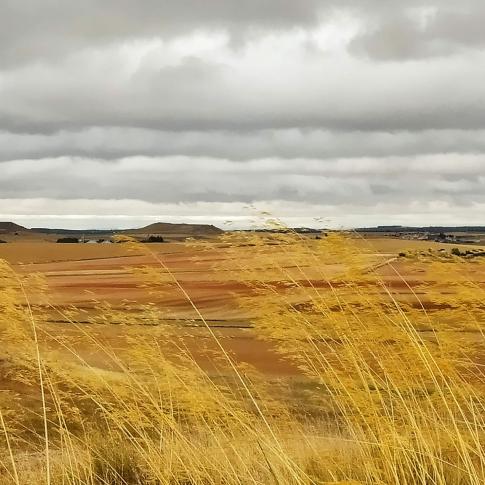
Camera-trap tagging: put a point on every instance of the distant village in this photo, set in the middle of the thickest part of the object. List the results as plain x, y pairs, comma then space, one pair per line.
440, 238
447, 235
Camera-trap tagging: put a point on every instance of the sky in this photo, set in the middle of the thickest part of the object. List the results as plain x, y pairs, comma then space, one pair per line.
324, 113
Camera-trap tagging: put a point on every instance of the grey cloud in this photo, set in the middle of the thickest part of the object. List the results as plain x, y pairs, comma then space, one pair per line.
460, 179
31, 29
116, 142
192, 102
158, 85
397, 37
441, 30
307, 92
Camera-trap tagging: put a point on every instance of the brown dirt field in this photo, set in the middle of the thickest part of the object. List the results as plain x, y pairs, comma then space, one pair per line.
84, 275
45, 252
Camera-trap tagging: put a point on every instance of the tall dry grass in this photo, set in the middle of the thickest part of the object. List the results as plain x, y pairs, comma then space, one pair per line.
391, 389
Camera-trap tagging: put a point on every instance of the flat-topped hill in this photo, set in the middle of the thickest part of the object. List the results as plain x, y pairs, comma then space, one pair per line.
11, 228
166, 228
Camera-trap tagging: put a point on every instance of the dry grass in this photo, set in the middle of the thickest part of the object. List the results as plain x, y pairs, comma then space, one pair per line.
393, 388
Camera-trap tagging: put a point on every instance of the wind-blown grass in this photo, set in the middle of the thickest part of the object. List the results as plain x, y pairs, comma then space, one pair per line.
391, 387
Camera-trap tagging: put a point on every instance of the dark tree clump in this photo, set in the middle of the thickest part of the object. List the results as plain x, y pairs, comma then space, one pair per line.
68, 240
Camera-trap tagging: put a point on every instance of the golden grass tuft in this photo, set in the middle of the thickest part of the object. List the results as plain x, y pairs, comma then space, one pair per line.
391, 389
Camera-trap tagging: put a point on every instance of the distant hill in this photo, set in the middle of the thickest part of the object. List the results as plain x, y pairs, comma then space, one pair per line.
11, 228
158, 228
166, 228
87, 232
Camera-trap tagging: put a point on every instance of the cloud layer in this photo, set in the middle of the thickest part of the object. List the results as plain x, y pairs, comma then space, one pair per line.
337, 109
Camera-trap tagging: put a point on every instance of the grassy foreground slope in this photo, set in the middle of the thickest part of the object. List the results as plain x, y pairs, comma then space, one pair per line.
393, 389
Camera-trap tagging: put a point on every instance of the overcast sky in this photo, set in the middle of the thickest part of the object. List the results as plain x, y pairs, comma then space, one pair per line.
117, 113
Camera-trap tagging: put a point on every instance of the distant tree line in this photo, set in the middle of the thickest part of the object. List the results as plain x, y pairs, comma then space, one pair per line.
75, 240
68, 240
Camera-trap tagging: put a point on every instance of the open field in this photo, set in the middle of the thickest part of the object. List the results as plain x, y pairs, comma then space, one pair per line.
288, 359
85, 275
